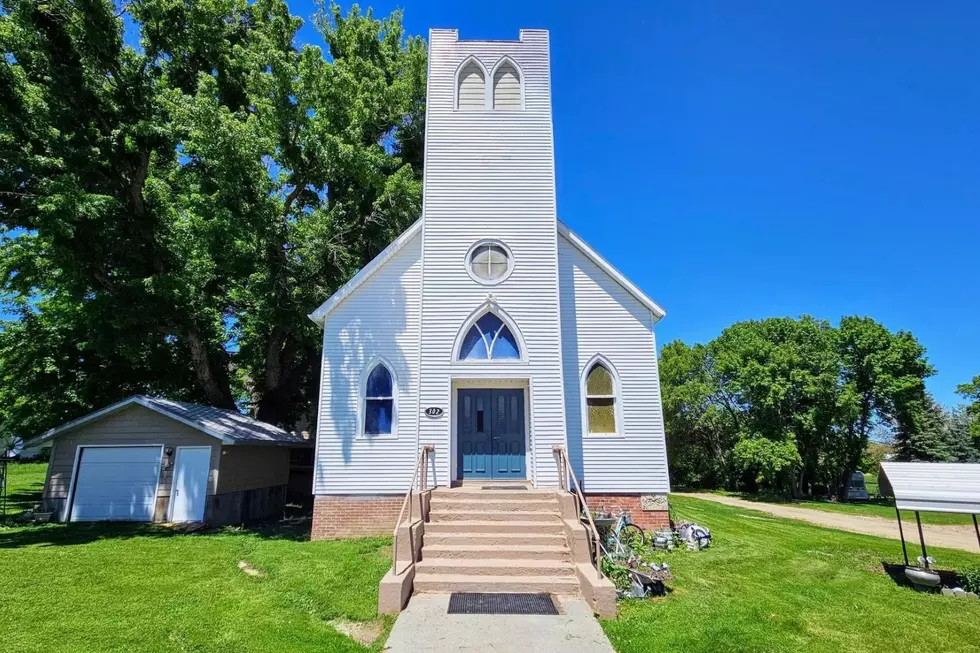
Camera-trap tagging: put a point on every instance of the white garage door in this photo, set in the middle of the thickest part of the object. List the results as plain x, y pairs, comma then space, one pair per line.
118, 483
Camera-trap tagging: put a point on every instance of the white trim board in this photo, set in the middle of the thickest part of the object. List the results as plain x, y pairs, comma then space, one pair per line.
365, 273
169, 409
617, 276
119, 405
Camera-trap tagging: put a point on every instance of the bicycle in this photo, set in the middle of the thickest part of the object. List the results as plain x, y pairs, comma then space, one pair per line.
624, 535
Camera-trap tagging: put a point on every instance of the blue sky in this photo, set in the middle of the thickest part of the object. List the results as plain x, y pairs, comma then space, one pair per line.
740, 160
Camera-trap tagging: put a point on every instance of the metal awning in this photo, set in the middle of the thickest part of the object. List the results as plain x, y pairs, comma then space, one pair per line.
932, 487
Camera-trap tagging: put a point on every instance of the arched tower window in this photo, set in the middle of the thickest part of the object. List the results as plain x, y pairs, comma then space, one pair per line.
600, 399
379, 401
489, 339
506, 87
472, 89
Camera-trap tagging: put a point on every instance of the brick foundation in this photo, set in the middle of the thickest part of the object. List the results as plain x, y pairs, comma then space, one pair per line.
336, 517
646, 519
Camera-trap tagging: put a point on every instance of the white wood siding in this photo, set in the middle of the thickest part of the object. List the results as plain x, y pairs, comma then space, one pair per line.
379, 319
598, 316
506, 88
490, 174
472, 88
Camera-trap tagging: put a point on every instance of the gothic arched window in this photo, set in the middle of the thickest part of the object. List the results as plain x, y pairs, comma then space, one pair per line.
379, 401
489, 339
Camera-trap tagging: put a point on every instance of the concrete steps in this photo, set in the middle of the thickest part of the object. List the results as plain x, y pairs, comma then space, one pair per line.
494, 527
455, 537
476, 494
438, 516
443, 583
495, 541
494, 567
498, 552
448, 504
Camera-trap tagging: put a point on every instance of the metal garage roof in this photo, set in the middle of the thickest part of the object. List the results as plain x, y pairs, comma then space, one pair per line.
932, 487
229, 426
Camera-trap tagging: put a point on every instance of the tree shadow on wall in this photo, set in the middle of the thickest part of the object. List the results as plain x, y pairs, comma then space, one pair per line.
353, 336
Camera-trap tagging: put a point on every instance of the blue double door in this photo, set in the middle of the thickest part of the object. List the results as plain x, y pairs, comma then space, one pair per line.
490, 434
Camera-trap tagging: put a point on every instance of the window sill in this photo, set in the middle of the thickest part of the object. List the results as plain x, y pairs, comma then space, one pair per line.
501, 110
373, 438
605, 436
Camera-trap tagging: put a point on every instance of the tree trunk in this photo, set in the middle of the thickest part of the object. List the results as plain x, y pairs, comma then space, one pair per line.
799, 480
215, 385
277, 387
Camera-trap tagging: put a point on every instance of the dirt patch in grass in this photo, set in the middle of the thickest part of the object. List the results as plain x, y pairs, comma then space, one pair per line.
362, 632
249, 570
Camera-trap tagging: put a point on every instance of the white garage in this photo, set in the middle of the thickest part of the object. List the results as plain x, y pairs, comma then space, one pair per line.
116, 483
149, 459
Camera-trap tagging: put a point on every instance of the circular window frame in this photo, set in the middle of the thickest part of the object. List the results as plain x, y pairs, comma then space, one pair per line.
467, 261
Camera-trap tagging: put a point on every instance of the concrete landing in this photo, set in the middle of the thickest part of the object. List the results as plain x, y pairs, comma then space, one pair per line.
424, 627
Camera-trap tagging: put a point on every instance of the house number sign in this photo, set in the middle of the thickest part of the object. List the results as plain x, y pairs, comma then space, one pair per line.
433, 411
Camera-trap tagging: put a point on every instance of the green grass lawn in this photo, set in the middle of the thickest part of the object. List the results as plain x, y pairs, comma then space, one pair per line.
769, 584
883, 508
24, 485
766, 584
140, 588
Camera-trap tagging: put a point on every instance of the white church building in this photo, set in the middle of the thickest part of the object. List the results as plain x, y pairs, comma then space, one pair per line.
488, 329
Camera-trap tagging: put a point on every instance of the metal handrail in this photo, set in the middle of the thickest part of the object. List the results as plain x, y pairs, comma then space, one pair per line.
564, 472
420, 464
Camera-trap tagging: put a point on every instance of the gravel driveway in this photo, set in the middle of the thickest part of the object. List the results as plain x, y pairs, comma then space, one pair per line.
953, 537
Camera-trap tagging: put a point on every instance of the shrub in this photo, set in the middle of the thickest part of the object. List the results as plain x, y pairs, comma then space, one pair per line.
970, 578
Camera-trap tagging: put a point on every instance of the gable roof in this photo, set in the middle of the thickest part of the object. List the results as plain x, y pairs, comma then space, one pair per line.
228, 426
365, 273
932, 487
399, 243
616, 275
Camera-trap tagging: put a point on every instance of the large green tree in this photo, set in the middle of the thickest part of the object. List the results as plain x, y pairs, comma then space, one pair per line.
971, 391
784, 374
702, 417
174, 208
883, 377
787, 403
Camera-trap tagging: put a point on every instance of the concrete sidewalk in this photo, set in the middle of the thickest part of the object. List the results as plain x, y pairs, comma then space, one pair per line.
424, 627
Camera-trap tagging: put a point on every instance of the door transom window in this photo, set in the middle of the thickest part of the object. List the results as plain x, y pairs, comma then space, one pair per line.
489, 339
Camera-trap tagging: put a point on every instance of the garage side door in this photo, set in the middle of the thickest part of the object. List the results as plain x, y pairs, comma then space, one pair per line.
116, 483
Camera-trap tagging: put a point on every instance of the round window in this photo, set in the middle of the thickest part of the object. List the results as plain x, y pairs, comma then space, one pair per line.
489, 261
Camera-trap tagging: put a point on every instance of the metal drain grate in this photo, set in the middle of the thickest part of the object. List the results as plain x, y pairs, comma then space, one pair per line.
477, 603
503, 487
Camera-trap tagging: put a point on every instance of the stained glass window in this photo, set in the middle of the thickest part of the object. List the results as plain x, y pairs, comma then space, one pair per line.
600, 396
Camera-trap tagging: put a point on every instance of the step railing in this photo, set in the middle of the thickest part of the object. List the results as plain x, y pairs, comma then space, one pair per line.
566, 472
421, 470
